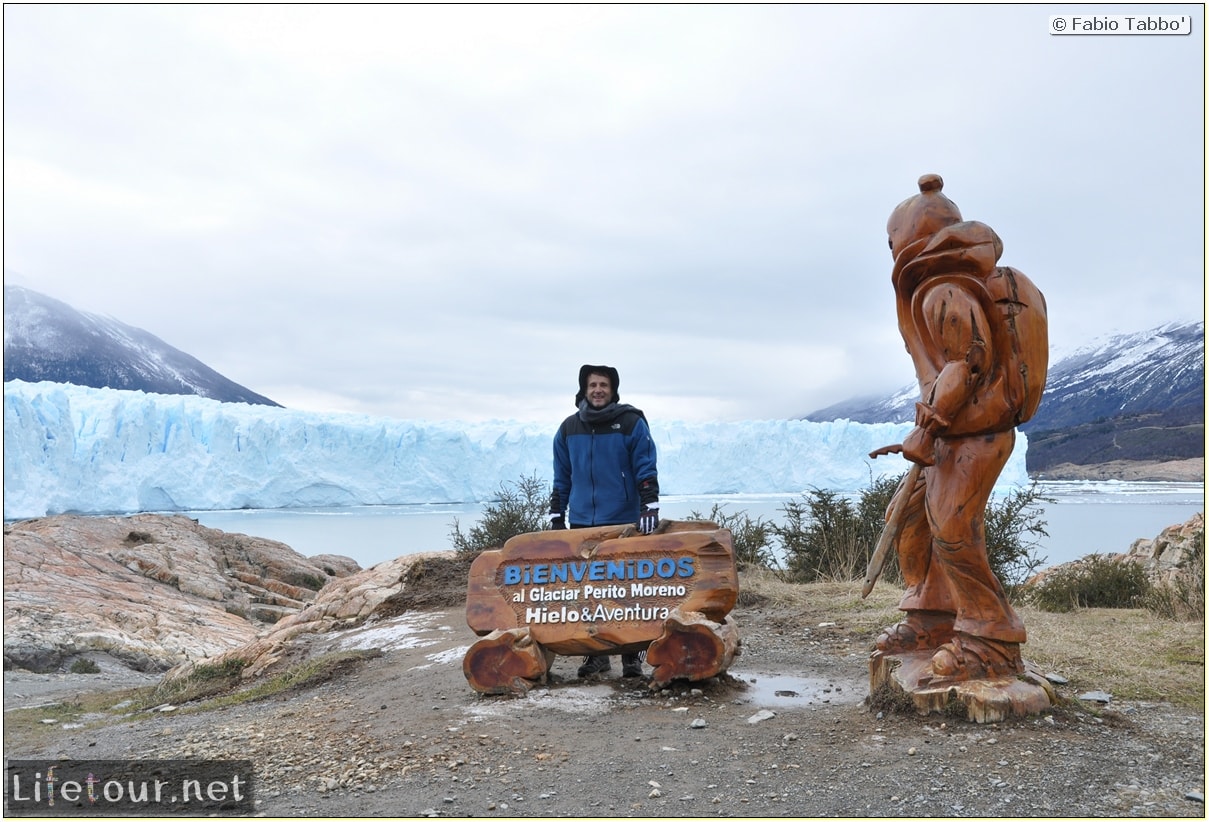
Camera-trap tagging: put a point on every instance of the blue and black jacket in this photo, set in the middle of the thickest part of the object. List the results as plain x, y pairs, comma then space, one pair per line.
604, 466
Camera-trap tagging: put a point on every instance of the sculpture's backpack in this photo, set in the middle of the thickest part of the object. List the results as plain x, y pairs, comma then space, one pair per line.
1021, 326
1016, 311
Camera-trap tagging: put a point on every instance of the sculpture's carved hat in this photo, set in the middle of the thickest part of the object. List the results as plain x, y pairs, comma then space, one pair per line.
921, 215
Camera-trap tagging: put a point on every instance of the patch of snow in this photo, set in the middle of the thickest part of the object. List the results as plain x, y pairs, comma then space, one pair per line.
397, 633
451, 655
582, 700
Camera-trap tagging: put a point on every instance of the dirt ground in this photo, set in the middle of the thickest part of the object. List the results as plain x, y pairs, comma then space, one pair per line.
786, 732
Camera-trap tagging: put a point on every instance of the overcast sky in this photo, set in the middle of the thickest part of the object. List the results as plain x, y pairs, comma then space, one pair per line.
442, 212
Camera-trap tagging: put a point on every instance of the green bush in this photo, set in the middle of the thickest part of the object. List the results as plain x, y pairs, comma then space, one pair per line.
522, 507
229, 668
1095, 581
826, 536
752, 539
83, 665
871, 511
311, 581
1013, 528
820, 537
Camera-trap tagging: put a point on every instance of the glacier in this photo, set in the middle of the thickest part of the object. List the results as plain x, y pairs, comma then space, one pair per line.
70, 449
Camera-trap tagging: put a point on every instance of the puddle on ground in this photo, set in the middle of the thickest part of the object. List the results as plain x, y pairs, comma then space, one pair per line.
783, 691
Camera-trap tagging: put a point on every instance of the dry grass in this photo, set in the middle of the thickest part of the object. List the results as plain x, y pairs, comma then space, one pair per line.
44, 723
824, 601
1129, 653
218, 690
211, 689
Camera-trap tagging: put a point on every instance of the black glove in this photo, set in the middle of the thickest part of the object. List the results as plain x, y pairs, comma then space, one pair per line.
648, 495
557, 521
648, 520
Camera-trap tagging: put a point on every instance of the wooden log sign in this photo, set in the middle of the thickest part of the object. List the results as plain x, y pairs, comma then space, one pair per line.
603, 590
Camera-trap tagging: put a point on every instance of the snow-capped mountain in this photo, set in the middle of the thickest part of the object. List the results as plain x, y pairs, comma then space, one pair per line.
46, 339
1160, 370
898, 407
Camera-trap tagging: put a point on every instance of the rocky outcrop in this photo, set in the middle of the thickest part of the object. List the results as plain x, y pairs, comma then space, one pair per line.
152, 591
342, 604
335, 565
1174, 549
1178, 549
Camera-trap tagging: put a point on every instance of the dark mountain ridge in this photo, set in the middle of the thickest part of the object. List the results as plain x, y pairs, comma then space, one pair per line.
47, 339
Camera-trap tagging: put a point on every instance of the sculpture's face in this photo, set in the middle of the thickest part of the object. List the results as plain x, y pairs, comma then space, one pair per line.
899, 232
599, 390
918, 217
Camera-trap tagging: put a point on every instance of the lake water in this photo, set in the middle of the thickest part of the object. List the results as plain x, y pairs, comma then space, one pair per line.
1085, 518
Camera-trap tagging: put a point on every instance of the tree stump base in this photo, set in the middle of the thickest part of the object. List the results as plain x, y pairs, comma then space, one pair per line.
894, 682
692, 647
506, 662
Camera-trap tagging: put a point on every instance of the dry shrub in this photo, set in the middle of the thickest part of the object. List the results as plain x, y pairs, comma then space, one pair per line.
752, 539
1183, 595
521, 508
1095, 581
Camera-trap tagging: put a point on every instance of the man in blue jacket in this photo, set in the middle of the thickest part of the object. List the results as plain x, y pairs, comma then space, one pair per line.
604, 473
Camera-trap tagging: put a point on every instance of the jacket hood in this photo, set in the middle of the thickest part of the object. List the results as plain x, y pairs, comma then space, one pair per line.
607, 370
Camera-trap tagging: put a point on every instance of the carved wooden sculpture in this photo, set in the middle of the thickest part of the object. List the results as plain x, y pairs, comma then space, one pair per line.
977, 333
604, 589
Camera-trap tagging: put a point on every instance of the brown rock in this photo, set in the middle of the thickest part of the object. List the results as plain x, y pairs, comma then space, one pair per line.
150, 590
1171, 550
335, 565
1163, 557
345, 602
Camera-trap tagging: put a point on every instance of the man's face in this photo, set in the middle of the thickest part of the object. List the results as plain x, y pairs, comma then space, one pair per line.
600, 391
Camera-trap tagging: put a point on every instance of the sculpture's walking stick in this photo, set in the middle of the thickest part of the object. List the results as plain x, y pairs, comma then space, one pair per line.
894, 525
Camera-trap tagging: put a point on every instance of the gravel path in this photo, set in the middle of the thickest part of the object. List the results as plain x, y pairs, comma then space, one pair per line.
785, 733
